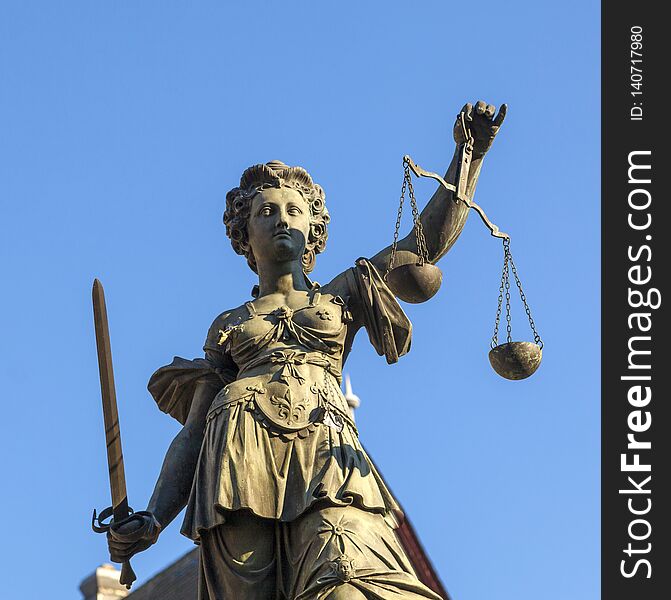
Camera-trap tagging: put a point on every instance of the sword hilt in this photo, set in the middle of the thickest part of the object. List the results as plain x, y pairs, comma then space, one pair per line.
99, 525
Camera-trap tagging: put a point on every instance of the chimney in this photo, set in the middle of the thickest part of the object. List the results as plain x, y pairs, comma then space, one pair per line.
103, 584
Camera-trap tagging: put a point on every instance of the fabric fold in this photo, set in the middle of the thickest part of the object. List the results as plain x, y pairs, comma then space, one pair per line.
174, 385
388, 327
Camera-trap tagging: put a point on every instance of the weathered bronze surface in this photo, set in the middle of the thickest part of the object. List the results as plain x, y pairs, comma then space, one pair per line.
279, 492
516, 360
415, 283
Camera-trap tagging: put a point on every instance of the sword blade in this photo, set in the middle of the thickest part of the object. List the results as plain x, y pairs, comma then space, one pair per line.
117, 475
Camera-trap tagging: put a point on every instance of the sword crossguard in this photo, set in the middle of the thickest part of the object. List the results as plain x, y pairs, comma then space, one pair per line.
98, 520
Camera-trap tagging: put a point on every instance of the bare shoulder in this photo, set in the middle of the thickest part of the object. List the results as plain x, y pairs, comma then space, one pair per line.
338, 286
231, 317
223, 323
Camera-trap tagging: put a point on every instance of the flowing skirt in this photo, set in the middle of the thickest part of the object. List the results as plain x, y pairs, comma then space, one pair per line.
245, 464
306, 559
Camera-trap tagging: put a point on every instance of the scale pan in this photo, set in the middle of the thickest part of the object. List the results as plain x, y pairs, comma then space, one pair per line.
415, 283
516, 360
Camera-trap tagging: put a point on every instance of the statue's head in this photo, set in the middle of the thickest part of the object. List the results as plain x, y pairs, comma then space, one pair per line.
277, 211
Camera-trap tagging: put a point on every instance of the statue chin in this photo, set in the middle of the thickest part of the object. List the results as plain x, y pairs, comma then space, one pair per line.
285, 249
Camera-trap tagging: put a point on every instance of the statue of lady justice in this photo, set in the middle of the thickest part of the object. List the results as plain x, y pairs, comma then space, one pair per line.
279, 493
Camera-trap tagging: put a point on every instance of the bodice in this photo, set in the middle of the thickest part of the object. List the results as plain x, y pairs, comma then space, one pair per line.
319, 326
289, 361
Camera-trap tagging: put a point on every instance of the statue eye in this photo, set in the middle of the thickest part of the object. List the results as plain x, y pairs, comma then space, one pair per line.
295, 210
265, 211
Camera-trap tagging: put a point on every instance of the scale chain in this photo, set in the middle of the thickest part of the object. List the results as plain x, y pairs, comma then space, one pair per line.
495, 337
394, 245
504, 291
509, 327
422, 250
537, 338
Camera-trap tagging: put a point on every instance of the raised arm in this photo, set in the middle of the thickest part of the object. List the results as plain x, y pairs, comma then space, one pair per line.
443, 219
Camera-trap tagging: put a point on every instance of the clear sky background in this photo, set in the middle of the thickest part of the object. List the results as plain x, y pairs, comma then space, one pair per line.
122, 126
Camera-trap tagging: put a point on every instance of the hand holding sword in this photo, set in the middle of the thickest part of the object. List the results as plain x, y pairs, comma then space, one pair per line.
127, 532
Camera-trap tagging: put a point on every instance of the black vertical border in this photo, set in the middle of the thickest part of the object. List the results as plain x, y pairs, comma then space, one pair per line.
619, 136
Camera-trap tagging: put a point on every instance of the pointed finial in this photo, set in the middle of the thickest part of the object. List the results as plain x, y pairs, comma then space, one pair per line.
352, 399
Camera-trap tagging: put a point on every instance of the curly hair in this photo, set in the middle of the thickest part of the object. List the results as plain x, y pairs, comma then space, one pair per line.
276, 174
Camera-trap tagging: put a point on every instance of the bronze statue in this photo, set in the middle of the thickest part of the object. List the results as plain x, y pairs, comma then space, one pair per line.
280, 494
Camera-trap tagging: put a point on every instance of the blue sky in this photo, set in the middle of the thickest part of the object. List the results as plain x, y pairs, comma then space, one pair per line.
123, 126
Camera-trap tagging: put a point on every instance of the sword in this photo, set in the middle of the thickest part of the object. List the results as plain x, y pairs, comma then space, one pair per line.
119, 510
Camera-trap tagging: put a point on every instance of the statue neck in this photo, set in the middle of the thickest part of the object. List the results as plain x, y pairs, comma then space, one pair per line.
281, 277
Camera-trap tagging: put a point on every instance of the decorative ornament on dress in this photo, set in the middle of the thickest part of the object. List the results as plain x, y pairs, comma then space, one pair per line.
333, 420
324, 314
288, 411
289, 360
346, 314
257, 388
273, 431
343, 568
248, 401
227, 332
283, 313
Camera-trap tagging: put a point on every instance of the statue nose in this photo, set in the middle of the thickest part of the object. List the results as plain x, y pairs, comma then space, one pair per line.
282, 220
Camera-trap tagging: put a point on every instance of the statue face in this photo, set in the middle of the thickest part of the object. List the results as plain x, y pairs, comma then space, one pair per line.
279, 223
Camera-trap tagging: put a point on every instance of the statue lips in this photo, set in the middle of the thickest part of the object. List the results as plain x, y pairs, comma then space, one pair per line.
283, 235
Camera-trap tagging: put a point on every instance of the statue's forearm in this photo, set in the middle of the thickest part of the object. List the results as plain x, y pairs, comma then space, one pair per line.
443, 219
173, 487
